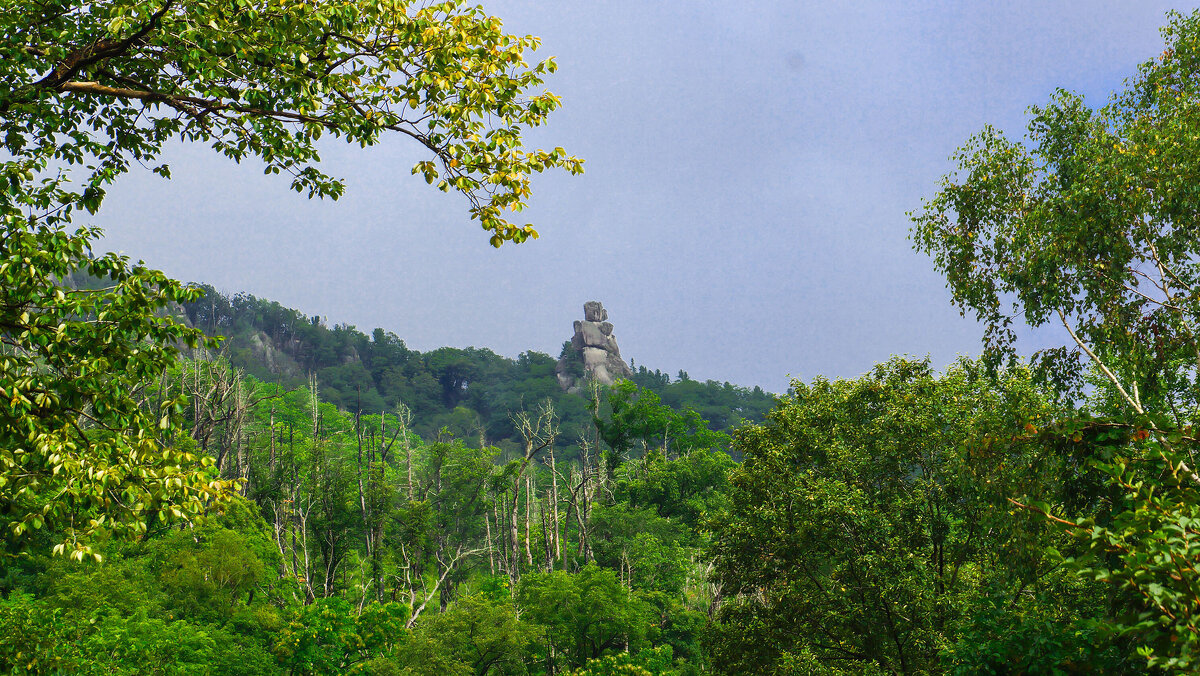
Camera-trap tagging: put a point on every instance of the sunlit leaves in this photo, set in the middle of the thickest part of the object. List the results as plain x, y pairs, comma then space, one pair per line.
84, 445
100, 86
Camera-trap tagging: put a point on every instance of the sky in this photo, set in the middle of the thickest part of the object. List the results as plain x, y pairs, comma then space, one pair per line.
749, 167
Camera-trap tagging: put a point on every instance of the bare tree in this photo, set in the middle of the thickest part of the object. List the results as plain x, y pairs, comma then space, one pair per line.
404, 420
555, 535
539, 432
581, 496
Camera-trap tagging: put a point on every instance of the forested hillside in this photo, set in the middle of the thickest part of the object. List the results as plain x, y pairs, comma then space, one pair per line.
471, 392
352, 544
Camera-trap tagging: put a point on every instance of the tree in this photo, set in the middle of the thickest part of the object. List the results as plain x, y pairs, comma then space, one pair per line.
539, 431
622, 664
95, 87
585, 615
328, 637
1091, 224
485, 634
1088, 225
88, 89
642, 546
84, 446
685, 489
442, 532
868, 521
37, 638
637, 417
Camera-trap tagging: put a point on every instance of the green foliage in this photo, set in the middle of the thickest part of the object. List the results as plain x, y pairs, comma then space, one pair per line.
643, 546
1081, 225
41, 639
686, 488
212, 578
1089, 224
586, 614
638, 416
472, 392
328, 638
1149, 547
622, 664
974, 521
100, 89
638, 421
723, 405
1038, 635
344, 512
483, 635
37, 638
356, 545
868, 519
146, 645
646, 662
180, 604
81, 449
118, 587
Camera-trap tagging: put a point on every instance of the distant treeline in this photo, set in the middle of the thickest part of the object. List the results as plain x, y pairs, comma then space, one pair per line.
470, 392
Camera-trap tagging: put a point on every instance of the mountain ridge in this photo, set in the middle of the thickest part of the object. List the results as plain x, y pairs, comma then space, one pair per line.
471, 392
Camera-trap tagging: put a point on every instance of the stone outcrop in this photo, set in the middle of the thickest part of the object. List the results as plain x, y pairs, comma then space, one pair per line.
265, 352
593, 352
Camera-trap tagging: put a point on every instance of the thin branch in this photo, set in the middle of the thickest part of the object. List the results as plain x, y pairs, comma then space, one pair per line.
1109, 374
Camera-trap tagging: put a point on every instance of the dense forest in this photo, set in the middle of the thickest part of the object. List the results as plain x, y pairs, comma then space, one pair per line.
471, 392
353, 543
298, 499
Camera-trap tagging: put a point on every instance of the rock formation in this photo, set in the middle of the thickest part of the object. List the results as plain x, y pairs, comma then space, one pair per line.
593, 352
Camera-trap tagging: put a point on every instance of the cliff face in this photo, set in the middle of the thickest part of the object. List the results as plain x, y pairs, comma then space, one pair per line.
595, 347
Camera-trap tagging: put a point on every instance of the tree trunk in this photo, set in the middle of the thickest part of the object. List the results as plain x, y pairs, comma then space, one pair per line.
487, 520
539, 433
554, 507
548, 548
514, 535
528, 509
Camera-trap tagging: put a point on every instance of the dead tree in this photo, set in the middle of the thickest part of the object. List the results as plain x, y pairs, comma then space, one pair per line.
539, 432
581, 498
554, 523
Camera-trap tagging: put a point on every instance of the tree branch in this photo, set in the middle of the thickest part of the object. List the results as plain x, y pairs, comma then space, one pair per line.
1109, 374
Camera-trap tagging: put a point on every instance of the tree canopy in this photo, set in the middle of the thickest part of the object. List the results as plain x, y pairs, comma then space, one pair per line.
867, 529
86, 444
455, 512
1090, 223
97, 86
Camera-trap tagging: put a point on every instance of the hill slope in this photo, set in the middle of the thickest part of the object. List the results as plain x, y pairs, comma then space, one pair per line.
469, 391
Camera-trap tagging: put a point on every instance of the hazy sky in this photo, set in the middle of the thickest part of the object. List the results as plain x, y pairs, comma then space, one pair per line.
742, 216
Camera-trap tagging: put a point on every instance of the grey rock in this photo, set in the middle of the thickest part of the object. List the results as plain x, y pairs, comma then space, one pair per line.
565, 381
592, 335
610, 344
594, 311
618, 366
594, 356
602, 376
593, 344
265, 352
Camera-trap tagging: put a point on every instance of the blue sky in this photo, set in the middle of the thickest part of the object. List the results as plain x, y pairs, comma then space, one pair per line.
742, 216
